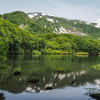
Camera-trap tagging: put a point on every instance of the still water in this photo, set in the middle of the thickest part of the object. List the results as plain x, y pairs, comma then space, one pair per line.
77, 68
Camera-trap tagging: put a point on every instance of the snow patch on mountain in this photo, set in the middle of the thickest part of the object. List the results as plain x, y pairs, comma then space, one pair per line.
31, 15
51, 20
97, 26
45, 25
40, 16
74, 28
57, 21
82, 34
88, 23
75, 22
62, 30
46, 14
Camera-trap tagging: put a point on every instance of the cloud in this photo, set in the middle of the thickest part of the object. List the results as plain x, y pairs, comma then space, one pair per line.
64, 7
75, 11
59, 4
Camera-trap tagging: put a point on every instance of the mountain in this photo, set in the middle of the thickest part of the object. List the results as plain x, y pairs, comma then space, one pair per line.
17, 17
24, 22
43, 23
63, 25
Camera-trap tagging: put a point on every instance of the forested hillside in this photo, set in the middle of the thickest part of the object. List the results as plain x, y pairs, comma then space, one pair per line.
37, 29
24, 22
17, 17
19, 41
62, 25
22, 41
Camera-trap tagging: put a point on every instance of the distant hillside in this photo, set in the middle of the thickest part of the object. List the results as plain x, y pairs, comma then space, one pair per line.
62, 25
35, 28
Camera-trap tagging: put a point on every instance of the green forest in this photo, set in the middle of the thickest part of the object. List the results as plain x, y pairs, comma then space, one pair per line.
34, 38
23, 41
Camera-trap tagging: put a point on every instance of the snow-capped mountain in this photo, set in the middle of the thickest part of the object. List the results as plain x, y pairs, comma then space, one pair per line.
31, 15
54, 23
60, 25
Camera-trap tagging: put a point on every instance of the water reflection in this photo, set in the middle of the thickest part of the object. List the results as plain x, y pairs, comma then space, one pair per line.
78, 72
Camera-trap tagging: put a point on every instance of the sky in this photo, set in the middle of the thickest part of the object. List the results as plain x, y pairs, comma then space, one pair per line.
86, 10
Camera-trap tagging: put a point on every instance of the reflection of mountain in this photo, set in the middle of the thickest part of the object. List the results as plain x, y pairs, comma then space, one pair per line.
17, 84
44, 67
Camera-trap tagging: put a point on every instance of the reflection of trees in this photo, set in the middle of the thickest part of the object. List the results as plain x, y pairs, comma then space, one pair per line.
2, 96
18, 84
44, 67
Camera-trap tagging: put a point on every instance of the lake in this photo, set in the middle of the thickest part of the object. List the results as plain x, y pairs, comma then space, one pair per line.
76, 68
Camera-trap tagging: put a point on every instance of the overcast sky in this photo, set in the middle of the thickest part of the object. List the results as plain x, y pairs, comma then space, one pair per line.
87, 10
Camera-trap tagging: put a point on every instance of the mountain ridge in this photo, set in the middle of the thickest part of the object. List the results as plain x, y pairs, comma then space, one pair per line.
63, 25
43, 23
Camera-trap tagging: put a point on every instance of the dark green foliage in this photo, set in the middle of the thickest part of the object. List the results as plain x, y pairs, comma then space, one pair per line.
0, 15
95, 95
48, 88
3, 51
36, 29
33, 80
2, 96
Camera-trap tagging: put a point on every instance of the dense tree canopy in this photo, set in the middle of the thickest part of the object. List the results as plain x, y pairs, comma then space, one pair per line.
25, 41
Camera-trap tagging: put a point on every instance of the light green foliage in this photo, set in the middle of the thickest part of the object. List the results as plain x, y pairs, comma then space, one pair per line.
51, 51
66, 46
36, 52
53, 45
17, 70
82, 53
60, 69
96, 67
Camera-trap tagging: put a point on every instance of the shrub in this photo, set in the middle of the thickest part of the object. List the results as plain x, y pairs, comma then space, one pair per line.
51, 51
60, 69
82, 53
96, 67
17, 71
36, 52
